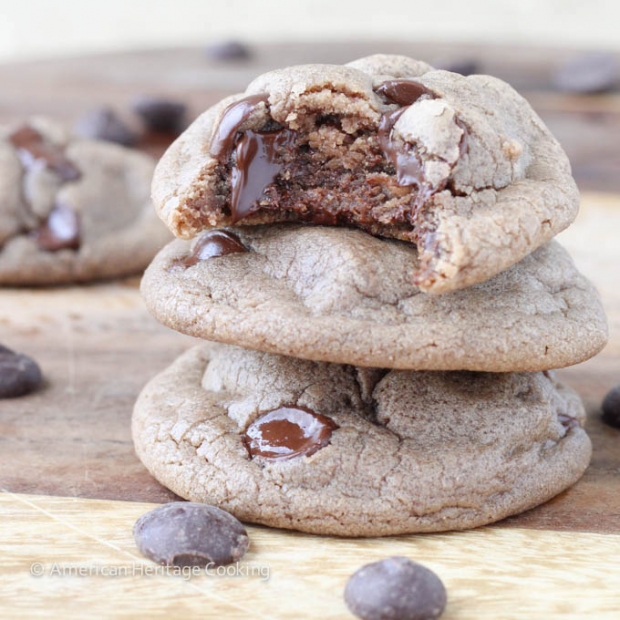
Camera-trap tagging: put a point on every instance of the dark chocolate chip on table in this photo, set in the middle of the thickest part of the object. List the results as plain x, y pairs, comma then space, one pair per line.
611, 407
395, 589
190, 534
288, 432
228, 50
464, 66
161, 114
19, 374
596, 72
61, 230
105, 124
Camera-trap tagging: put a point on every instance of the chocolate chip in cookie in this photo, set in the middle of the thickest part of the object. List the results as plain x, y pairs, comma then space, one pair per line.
19, 374
288, 432
395, 589
212, 244
190, 534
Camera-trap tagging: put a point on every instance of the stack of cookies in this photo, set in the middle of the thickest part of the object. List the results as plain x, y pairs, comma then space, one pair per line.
371, 246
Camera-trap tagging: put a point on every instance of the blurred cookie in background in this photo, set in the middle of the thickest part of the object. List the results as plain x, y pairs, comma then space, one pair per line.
72, 209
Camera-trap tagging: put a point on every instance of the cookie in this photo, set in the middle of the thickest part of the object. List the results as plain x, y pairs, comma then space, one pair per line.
73, 210
334, 449
340, 295
460, 166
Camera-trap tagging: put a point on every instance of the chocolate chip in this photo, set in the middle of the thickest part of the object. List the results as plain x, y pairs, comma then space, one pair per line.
402, 92
395, 589
228, 50
190, 534
464, 66
588, 73
61, 230
19, 374
213, 244
161, 114
33, 150
611, 407
288, 432
105, 124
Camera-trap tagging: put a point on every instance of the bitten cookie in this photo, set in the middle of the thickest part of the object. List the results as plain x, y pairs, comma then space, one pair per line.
340, 295
334, 449
460, 166
73, 210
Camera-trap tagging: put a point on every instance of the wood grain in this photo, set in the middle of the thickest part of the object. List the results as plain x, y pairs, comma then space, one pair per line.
489, 573
98, 346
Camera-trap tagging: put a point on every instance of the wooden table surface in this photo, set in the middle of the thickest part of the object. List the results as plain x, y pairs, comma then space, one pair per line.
70, 481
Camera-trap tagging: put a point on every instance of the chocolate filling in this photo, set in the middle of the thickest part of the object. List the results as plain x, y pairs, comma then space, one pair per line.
324, 175
288, 432
256, 167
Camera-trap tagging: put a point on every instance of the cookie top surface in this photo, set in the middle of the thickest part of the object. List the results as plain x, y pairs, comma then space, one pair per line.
460, 166
340, 295
404, 452
72, 209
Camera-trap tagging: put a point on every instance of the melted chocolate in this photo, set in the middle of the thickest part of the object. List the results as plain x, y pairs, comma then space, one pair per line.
60, 231
225, 137
408, 166
288, 432
402, 92
212, 244
33, 150
256, 167
256, 154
